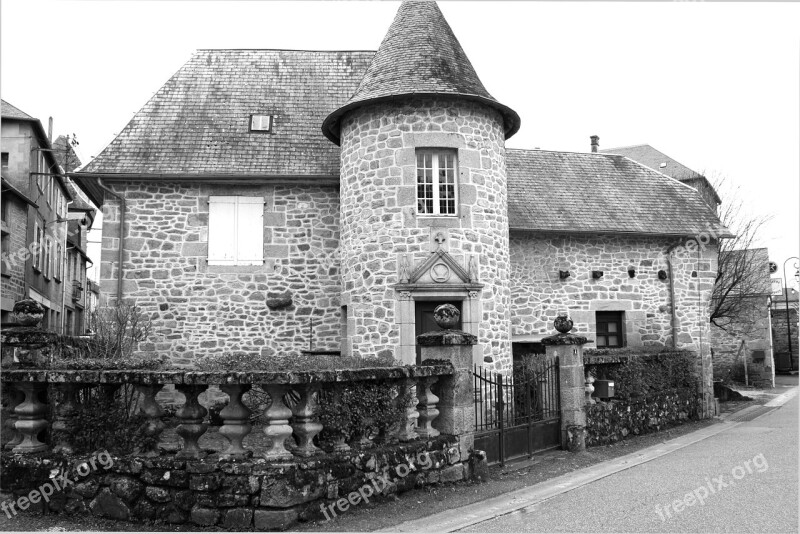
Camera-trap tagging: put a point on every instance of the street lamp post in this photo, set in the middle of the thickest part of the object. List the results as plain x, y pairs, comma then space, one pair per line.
788, 318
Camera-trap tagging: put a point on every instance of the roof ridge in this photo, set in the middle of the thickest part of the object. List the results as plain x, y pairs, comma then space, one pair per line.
630, 146
561, 151
285, 50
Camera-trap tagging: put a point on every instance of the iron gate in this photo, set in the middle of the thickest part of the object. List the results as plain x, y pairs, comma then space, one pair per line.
518, 417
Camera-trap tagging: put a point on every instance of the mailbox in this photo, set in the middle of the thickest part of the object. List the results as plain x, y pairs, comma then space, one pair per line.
603, 389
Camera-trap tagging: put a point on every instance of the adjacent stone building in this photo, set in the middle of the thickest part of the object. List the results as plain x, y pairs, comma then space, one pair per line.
742, 335
35, 200
278, 201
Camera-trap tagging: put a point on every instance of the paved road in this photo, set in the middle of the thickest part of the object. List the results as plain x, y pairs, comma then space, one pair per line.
761, 454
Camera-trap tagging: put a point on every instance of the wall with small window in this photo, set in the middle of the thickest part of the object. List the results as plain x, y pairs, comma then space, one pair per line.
206, 260
628, 305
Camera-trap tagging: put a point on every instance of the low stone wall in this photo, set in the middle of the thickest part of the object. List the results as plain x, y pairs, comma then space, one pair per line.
609, 422
250, 494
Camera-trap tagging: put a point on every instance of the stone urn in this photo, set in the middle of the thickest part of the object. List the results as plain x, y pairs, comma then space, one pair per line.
28, 312
446, 316
563, 323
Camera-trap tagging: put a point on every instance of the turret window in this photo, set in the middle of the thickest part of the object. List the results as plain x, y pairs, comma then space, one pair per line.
436, 182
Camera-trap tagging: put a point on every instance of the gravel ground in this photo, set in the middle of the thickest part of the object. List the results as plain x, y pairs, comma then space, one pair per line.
389, 511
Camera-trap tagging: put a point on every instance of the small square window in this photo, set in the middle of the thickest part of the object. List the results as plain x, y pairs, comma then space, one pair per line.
609, 330
261, 123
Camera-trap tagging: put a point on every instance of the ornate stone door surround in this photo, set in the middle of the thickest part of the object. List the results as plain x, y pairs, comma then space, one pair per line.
437, 278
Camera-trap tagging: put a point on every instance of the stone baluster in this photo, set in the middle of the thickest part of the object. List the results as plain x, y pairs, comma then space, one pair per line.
235, 421
588, 389
150, 408
277, 429
389, 434
191, 415
408, 396
15, 398
65, 410
109, 392
31, 413
427, 407
304, 425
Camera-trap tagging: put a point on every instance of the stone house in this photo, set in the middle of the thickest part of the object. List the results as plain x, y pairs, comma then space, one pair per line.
746, 338
277, 201
35, 201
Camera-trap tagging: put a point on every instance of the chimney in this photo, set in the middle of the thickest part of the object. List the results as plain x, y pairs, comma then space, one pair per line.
595, 143
50, 130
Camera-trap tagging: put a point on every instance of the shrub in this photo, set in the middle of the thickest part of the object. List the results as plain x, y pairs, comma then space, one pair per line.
102, 424
118, 330
360, 409
104, 364
649, 374
245, 361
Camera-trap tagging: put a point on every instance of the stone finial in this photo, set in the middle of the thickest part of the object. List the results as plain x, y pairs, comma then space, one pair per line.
28, 312
446, 316
563, 323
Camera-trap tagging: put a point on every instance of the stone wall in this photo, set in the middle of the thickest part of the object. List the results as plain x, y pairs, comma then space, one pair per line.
202, 309
754, 328
381, 226
244, 495
538, 293
608, 422
13, 285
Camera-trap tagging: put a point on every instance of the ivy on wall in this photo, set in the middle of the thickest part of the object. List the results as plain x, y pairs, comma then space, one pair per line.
653, 390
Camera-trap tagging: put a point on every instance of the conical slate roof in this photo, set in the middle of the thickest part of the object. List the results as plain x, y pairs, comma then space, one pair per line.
420, 55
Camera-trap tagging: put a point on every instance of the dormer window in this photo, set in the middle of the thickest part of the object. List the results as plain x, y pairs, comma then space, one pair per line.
436, 182
261, 123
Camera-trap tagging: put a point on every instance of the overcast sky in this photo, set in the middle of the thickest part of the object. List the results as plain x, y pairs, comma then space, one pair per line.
715, 86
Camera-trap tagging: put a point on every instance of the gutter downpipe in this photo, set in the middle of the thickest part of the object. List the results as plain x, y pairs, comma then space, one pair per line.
121, 240
672, 296
63, 261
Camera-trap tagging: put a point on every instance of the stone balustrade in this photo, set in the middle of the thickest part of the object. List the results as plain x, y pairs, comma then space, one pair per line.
292, 419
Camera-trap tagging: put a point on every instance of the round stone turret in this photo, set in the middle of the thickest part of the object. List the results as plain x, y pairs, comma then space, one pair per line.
423, 172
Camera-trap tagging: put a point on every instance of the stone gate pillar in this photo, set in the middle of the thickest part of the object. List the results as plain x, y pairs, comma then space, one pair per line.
569, 350
456, 398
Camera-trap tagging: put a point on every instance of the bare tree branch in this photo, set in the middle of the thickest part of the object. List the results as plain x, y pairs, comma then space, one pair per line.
742, 271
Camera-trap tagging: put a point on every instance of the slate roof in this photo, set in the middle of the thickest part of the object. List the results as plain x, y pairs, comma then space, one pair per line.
420, 55
600, 193
11, 112
198, 122
649, 156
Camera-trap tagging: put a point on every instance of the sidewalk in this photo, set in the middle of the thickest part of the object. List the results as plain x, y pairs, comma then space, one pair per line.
456, 519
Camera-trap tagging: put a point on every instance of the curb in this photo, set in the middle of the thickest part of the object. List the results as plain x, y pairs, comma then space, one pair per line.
462, 517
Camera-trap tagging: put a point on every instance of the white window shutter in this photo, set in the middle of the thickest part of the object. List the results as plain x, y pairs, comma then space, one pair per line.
222, 230
250, 235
